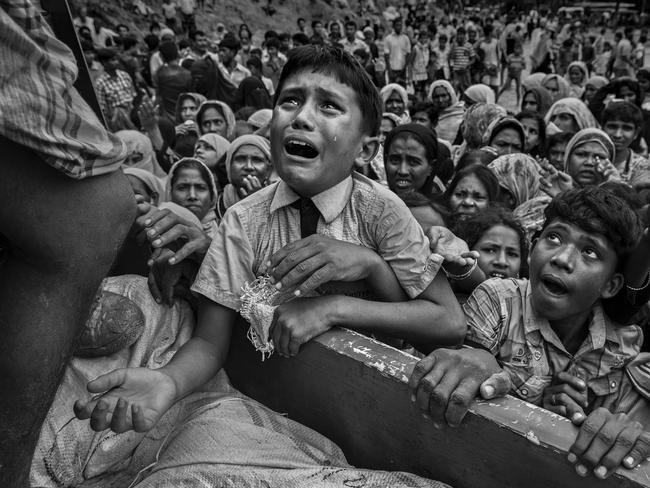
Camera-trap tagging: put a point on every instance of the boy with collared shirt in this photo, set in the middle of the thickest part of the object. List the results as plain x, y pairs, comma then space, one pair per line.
366, 243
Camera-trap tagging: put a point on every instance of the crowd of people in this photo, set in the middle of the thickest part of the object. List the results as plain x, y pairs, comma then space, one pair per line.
360, 174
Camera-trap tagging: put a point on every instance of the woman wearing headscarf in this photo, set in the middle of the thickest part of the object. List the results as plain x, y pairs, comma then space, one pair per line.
145, 184
557, 86
450, 111
140, 153
216, 116
505, 135
540, 57
248, 165
532, 81
576, 76
476, 121
536, 99
518, 175
592, 85
588, 158
186, 130
478, 93
396, 100
190, 184
571, 115
210, 148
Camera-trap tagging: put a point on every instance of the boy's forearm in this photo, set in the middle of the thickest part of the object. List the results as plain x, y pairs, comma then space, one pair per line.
205, 353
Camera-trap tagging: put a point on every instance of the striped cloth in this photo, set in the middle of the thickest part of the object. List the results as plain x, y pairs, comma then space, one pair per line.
39, 107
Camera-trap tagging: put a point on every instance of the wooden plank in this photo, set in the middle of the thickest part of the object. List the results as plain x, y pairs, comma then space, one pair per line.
353, 390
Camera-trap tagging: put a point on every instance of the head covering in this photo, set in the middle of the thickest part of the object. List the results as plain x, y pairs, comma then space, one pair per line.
395, 119
480, 93
260, 118
574, 107
562, 85
597, 82
530, 215
497, 125
477, 119
138, 142
223, 109
249, 139
166, 32
519, 174
196, 97
533, 81
219, 143
388, 90
577, 90
585, 136
542, 96
450, 118
152, 182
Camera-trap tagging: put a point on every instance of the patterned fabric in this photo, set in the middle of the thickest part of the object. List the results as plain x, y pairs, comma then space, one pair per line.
501, 318
115, 92
635, 171
477, 119
519, 174
577, 109
357, 210
41, 109
460, 56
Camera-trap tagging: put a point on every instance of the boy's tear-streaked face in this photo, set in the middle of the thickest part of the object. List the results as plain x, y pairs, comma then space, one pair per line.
316, 132
569, 270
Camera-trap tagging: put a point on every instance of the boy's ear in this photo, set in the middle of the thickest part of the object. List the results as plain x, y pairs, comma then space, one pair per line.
369, 148
613, 286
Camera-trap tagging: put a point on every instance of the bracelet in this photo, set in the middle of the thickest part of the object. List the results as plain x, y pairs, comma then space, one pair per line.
463, 276
643, 286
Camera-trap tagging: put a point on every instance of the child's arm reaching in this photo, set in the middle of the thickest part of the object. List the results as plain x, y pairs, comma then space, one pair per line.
136, 398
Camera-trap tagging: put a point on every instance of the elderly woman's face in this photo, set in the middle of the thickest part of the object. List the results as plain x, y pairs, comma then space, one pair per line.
565, 122
191, 191
584, 163
507, 141
407, 166
249, 162
576, 75
395, 104
440, 98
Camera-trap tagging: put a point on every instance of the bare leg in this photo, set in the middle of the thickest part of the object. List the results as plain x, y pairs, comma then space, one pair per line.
63, 236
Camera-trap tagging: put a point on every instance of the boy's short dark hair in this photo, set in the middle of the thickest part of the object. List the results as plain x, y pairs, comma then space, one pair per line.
168, 51
598, 211
129, 42
152, 41
362, 53
196, 33
273, 42
351, 23
255, 63
461, 30
623, 111
300, 38
334, 61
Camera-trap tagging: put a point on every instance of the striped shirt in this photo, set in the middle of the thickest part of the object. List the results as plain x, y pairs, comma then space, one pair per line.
357, 210
460, 57
501, 318
41, 109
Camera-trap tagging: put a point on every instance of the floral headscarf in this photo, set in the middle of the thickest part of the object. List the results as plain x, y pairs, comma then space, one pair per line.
224, 110
530, 215
450, 118
386, 93
519, 174
477, 119
562, 85
501, 123
585, 136
137, 142
577, 109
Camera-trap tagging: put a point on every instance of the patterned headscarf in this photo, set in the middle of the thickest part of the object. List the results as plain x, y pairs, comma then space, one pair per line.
577, 109
477, 119
519, 174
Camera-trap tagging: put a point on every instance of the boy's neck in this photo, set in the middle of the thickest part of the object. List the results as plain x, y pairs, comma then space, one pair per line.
570, 333
621, 156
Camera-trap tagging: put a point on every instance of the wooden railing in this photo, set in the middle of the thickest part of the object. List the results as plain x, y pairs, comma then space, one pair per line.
353, 390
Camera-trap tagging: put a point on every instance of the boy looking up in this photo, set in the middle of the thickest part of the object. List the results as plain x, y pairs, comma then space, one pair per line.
549, 333
348, 236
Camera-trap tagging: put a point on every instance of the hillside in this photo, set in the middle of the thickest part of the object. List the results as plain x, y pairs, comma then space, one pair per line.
232, 13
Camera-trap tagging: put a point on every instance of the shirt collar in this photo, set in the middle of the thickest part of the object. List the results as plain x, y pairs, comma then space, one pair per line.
330, 203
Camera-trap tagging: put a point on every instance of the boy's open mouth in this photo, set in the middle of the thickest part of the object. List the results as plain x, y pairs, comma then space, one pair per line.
554, 285
303, 149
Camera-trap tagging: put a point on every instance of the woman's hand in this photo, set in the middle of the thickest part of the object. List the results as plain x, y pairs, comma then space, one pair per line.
553, 182
251, 185
453, 249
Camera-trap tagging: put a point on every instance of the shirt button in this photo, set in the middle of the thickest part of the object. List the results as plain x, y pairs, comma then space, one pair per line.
524, 392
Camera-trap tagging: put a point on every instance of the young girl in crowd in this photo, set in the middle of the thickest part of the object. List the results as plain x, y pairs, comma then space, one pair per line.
535, 130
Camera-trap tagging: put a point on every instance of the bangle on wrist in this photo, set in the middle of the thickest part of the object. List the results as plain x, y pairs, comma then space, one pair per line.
462, 276
645, 284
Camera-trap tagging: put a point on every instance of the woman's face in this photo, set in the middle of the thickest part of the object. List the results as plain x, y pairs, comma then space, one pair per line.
469, 197
407, 166
213, 122
530, 103
395, 104
191, 191
440, 98
188, 109
531, 129
627, 94
565, 122
206, 154
553, 87
249, 161
644, 84
141, 191
576, 75
507, 141
556, 155
422, 118
590, 91
499, 252
385, 127
584, 162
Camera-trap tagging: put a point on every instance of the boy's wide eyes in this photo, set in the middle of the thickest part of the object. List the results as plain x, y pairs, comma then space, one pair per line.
591, 252
553, 237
